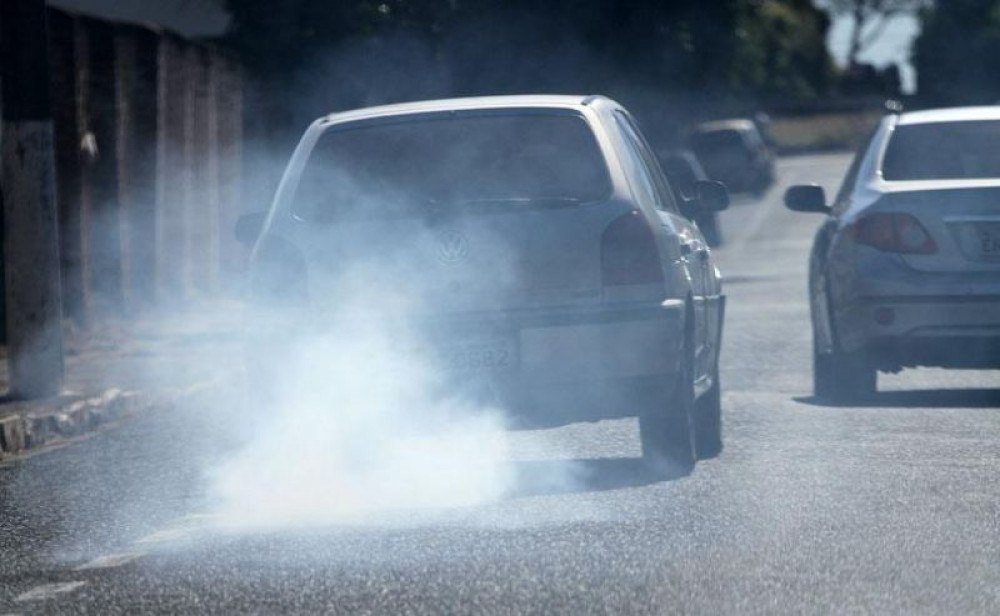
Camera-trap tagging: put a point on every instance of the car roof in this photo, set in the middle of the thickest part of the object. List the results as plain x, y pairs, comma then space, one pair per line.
738, 124
540, 101
950, 114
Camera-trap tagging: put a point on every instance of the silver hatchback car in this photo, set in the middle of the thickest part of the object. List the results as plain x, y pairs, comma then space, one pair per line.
534, 243
905, 271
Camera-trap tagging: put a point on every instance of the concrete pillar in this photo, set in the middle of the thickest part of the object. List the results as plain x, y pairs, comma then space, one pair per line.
229, 114
172, 171
201, 215
101, 222
137, 73
30, 212
63, 47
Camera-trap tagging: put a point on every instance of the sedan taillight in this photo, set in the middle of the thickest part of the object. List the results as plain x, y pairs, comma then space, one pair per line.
628, 252
893, 232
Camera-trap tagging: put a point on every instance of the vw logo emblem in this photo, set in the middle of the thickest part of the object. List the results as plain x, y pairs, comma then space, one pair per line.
452, 246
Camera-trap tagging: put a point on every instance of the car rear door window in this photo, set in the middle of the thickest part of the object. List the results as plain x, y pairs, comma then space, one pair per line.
650, 176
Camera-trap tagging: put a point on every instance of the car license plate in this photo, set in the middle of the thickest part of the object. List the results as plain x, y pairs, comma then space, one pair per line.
979, 240
988, 240
479, 355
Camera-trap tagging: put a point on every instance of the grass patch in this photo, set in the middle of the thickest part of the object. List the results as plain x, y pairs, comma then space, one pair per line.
823, 132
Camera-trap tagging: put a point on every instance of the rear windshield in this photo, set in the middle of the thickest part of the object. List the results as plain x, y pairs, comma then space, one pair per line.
943, 151
416, 164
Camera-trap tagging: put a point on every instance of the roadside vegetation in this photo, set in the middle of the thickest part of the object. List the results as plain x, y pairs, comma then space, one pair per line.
671, 62
823, 131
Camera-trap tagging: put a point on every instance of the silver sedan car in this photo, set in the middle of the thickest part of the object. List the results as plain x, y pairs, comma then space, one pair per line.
532, 242
905, 270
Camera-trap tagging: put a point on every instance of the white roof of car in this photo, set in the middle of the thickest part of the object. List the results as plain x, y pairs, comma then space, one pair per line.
950, 114
464, 104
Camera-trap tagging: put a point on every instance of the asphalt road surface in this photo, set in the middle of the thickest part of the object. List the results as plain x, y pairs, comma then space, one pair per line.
891, 507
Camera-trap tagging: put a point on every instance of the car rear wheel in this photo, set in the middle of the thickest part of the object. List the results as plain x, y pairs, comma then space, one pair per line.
665, 424
708, 422
843, 377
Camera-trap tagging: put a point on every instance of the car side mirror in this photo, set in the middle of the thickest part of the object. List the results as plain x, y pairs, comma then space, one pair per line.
806, 198
711, 196
248, 227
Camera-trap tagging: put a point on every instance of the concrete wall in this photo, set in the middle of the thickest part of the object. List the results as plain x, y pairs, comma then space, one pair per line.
149, 130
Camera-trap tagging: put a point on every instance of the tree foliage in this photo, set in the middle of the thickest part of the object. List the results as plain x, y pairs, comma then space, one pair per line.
682, 43
643, 52
957, 55
782, 50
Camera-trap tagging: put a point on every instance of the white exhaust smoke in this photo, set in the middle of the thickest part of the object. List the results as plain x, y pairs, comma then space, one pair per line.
363, 421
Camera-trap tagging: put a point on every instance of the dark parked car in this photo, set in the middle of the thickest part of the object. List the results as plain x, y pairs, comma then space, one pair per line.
735, 153
543, 243
905, 270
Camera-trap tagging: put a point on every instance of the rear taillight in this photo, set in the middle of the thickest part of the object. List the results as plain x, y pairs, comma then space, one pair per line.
893, 232
628, 252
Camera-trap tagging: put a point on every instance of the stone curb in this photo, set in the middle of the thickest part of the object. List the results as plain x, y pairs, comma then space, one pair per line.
35, 424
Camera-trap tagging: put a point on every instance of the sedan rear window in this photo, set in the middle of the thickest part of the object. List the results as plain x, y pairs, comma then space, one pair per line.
943, 151
419, 163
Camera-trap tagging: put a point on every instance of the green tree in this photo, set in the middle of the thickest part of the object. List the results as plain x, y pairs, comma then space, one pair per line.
687, 40
957, 55
665, 60
782, 50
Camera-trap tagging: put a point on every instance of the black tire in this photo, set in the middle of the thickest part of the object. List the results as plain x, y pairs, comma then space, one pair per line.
843, 377
708, 422
666, 429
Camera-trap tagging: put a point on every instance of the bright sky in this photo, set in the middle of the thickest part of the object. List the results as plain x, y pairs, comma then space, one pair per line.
893, 47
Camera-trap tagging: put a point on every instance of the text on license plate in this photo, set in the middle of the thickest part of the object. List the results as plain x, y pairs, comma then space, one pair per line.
479, 355
988, 240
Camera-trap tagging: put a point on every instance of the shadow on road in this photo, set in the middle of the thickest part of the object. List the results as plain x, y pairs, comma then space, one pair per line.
552, 477
749, 279
927, 398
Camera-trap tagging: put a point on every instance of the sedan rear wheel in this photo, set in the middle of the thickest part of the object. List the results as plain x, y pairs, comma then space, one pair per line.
665, 423
843, 377
708, 422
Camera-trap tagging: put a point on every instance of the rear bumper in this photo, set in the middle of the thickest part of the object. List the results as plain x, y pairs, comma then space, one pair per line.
581, 344
901, 316
893, 353
947, 331
617, 343
576, 356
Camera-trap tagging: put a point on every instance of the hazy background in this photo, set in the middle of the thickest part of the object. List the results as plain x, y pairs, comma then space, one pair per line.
198, 18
